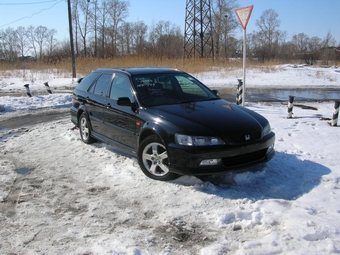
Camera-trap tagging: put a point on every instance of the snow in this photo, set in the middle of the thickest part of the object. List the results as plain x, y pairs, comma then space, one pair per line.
12, 104
283, 76
93, 199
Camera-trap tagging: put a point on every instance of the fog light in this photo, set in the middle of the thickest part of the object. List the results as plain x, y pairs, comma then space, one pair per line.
210, 162
270, 149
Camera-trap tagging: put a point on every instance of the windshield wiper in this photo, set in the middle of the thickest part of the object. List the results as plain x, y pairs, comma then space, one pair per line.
188, 101
198, 100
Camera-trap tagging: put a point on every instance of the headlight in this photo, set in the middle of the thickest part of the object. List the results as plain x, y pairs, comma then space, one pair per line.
198, 140
267, 129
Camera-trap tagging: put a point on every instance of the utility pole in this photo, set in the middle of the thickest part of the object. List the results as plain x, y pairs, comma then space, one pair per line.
71, 39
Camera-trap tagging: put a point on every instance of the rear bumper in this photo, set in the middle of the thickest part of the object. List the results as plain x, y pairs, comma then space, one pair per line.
186, 160
74, 117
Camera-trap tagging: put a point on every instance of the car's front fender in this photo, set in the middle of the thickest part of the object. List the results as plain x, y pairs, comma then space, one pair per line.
163, 130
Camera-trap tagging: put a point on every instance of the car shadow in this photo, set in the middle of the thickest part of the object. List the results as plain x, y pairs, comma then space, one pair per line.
285, 177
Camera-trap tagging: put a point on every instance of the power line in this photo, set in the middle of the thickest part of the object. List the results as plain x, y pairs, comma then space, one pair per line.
41, 2
28, 17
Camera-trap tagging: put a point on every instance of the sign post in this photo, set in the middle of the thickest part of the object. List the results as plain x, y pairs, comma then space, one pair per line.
243, 15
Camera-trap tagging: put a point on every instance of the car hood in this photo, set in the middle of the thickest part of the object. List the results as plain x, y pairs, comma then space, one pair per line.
217, 117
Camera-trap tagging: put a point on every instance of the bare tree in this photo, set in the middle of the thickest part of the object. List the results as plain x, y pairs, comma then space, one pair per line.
94, 24
288, 51
283, 47
118, 12
22, 37
224, 23
39, 39
2, 45
64, 49
75, 26
126, 37
83, 21
300, 42
329, 49
166, 40
41, 34
51, 41
278, 46
314, 47
133, 37
103, 22
31, 38
139, 37
268, 34
9, 45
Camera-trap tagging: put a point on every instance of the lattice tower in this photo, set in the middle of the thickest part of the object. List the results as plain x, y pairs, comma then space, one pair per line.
198, 37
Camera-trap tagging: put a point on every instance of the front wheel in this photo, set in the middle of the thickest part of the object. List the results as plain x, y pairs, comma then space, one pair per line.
153, 159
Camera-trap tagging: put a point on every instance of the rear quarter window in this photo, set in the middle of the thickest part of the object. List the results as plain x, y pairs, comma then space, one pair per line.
102, 85
87, 81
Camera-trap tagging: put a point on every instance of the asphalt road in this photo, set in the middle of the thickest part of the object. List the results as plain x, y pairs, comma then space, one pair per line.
26, 119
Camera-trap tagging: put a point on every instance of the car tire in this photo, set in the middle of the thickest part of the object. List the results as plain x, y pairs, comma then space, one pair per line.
153, 159
85, 129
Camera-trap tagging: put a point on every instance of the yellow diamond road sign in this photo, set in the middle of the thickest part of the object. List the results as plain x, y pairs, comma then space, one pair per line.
243, 15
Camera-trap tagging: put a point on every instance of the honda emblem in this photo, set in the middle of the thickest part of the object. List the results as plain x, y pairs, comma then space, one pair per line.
247, 137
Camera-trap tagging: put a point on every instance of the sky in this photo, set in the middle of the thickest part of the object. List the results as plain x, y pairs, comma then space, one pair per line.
312, 17
61, 196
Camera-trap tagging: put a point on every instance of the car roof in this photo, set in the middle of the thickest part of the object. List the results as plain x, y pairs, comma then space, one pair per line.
140, 70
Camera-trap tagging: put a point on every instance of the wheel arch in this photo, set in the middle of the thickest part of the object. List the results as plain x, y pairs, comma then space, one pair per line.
155, 129
82, 110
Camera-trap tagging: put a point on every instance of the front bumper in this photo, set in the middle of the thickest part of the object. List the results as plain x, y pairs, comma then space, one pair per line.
186, 160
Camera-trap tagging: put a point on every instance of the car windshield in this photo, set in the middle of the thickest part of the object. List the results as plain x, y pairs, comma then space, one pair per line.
163, 89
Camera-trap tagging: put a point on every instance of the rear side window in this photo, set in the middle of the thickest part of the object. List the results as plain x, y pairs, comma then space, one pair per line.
102, 85
87, 81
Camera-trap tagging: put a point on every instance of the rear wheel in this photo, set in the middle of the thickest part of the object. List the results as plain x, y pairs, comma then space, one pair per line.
153, 159
85, 130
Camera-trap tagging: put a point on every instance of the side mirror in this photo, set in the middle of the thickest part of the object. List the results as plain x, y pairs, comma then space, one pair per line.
124, 101
80, 79
215, 91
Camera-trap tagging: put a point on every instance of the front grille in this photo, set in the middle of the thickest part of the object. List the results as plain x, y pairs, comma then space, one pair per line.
244, 159
241, 138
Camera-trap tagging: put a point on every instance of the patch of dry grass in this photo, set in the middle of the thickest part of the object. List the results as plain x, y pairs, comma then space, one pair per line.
188, 65
86, 65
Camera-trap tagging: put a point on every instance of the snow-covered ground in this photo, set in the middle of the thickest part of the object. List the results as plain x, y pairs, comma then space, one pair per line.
61, 196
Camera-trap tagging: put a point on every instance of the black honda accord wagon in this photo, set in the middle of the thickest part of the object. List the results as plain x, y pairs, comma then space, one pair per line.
170, 121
